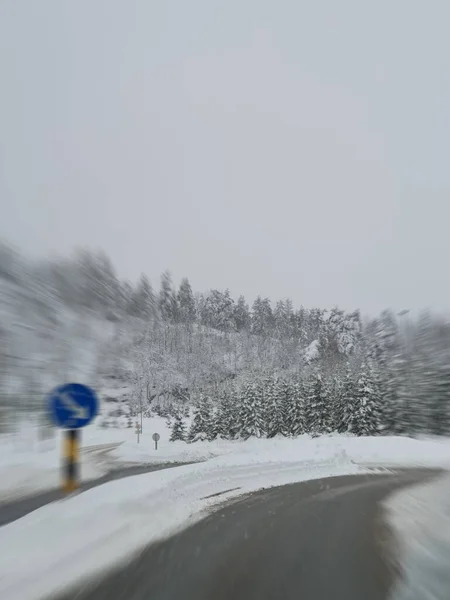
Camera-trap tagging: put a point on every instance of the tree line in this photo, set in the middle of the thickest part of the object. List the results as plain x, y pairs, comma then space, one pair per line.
270, 406
182, 345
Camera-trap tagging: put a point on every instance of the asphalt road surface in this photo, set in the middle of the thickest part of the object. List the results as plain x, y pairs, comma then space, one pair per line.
318, 540
15, 509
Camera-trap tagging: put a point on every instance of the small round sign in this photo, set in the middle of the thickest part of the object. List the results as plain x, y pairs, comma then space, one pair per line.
156, 437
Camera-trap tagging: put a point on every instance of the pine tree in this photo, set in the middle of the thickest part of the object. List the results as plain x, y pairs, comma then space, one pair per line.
274, 407
225, 418
297, 410
186, 302
439, 421
347, 405
262, 317
215, 428
178, 429
316, 409
143, 299
251, 417
366, 419
242, 317
166, 304
201, 425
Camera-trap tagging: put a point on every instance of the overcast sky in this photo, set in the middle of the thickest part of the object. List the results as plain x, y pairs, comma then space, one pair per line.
283, 148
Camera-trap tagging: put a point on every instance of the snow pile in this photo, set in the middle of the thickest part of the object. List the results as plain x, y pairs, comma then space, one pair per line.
419, 516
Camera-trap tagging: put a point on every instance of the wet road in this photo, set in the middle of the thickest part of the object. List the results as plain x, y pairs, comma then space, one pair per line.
318, 540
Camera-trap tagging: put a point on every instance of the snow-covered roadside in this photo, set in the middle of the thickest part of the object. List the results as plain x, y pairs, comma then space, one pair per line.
65, 542
69, 540
419, 517
32, 467
29, 466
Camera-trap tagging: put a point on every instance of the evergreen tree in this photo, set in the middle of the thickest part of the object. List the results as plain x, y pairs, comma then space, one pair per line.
143, 299
274, 407
262, 317
218, 310
242, 317
178, 429
166, 304
201, 425
186, 302
366, 419
317, 416
215, 428
251, 415
225, 425
439, 422
283, 319
297, 410
347, 405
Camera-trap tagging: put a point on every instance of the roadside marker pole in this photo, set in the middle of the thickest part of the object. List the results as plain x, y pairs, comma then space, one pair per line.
71, 453
72, 406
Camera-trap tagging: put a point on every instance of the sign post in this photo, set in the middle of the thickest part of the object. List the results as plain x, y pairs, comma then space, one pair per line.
138, 430
155, 438
71, 407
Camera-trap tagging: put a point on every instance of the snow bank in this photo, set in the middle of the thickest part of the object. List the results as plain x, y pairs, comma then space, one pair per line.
82, 535
419, 516
28, 466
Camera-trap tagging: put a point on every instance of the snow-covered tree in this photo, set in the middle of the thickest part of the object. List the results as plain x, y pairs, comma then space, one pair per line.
218, 310
186, 302
178, 430
225, 417
201, 425
283, 319
296, 415
242, 318
262, 316
166, 303
316, 409
344, 402
274, 407
251, 411
365, 419
143, 299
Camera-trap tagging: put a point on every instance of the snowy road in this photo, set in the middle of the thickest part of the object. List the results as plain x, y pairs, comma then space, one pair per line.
15, 509
313, 540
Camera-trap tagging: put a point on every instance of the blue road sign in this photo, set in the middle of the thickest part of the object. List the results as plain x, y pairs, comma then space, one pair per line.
72, 405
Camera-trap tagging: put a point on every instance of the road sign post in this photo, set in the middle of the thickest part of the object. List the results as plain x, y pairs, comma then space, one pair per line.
72, 406
71, 460
138, 430
155, 438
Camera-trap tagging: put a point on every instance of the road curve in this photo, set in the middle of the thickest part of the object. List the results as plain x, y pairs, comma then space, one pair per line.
316, 540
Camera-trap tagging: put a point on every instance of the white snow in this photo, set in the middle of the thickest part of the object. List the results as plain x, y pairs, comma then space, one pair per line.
67, 541
312, 351
419, 517
28, 466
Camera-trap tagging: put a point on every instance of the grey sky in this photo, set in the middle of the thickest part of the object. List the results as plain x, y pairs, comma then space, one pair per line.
288, 148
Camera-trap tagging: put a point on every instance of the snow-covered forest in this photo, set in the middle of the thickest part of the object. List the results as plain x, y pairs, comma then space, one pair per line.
238, 370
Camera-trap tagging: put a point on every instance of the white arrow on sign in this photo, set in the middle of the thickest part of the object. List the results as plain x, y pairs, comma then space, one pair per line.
79, 412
